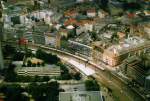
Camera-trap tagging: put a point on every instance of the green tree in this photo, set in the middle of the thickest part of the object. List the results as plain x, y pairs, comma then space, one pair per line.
47, 57
94, 36
29, 53
29, 63
9, 73
46, 78
8, 50
115, 38
65, 75
77, 76
92, 85
44, 92
13, 92
38, 64
33, 65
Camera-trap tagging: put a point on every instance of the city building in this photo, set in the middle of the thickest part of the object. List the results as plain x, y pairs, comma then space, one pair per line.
80, 96
53, 39
29, 36
49, 70
71, 13
64, 33
38, 31
98, 50
115, 54
102, 14
84, 26
147, 12
80, 49
91, 13
135, 70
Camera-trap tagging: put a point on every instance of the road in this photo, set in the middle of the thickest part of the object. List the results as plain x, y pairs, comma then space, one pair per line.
118, 87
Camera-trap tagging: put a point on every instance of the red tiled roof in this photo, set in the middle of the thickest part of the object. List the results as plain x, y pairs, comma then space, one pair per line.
91, 11
71, 13
70, 21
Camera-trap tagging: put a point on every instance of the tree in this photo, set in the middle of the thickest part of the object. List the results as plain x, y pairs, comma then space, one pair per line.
8, 50
29, 63
115, 38
13, 92
47, 57
43, 64
36, 5
18, 56
46, 78
92, 85
93, 36
77, 76
33, 65
35, 90
37, 78
132, 6
65, 75
104, 4
28, 53
44, 92
52, 91
38, 64
9, 73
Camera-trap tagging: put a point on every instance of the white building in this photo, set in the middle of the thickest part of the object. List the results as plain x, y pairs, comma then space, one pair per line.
43, 14
91, 13
115, 54
80, 96
50, 39
101, 14
84, 28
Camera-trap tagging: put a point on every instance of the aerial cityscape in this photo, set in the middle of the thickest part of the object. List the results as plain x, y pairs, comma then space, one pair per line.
74, 50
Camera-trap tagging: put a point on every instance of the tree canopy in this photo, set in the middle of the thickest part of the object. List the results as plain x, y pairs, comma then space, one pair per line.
47, 57
92, 85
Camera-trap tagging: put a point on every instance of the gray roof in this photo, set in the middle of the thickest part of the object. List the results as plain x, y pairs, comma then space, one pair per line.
80, 96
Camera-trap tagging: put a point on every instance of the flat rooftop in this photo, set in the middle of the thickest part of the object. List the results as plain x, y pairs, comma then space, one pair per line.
80, 96
127, 45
